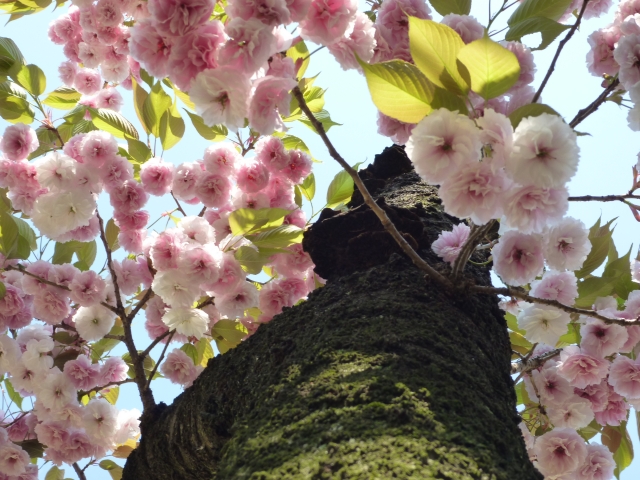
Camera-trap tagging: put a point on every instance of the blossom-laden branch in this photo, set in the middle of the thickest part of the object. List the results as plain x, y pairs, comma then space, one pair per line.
368, 199
512, 292
605, 198
529, 364
164, 350
148, 402
563, 42
593, 106
21, 268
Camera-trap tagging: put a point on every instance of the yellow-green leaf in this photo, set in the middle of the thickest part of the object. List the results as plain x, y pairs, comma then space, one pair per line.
399, 90
139, 98
155, 106
552, 9
63, 98
435, 48
445, 7
547, 28
32, 78
217, 133
530, 110
248, 220
111, 394
112, 122
278, 237
299, 51
489, 68
308, 187
340, 189
171, 127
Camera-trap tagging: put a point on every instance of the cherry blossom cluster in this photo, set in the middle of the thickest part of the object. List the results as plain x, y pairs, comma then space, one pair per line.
191, 269
614, 53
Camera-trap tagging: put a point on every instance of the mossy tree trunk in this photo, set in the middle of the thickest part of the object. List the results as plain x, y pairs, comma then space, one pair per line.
380, 374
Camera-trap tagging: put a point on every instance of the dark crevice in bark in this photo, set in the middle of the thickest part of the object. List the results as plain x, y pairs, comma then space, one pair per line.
378, 375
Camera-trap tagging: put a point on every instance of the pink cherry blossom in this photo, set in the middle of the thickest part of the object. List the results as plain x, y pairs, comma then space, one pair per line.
560, 286
18, 142
624, 377
441, 143
221, 96
567, 244
156, 176
113, 370
166, 249
13, 459
176, 18
449, 244
518, 257
467, 27
115, 171
359, 39
270, 152
575, 413
399, 132
580, 369
269, 12
87, 81
614, 412
250, 46
532, 209
150, 48
545, 152
543, 323
601, 340
195, 52
328, 20
477, 191
236, 302
599, 464
83, 374
600, 58
179, 368
128, 197
212, 189
392, 21
222, 159
597, 394
270, 101
526, 61
560, 451
97, 147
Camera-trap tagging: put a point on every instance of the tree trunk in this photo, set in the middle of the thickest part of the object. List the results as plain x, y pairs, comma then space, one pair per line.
380, 374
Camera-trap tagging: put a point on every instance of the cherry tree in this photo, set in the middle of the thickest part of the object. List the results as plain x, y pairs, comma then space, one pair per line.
369, 342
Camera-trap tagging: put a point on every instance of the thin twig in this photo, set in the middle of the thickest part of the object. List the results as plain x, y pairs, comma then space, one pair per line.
164, 350
563, 42
111, 385
79, 471
140, 304
605, 198
156, 341
511, 292
64, 326
368, 199
201, 214
593, 106
178, 204
530, 364
469, 247
107, 249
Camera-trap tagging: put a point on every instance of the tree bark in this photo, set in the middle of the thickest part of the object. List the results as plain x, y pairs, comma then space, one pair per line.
380, 374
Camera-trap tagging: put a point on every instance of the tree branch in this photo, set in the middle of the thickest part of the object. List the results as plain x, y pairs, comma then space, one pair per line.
164, 350
140, 304
107, 249
605, 198
528, 364
178, 204
564, 41
111, 385
368, 199
511, 292
593, 106
156, 341
470, 246
79, 471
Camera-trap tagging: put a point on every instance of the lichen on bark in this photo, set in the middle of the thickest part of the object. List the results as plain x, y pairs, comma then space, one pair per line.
380, 374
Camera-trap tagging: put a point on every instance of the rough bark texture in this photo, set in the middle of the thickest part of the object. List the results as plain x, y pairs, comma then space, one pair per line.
380, 374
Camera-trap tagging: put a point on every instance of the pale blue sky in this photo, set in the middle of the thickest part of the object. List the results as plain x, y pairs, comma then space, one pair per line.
606, 156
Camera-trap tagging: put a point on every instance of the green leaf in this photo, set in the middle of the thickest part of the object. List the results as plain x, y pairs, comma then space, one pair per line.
291, 142
519, 340
251, 259
32, 78
26, 239
445, 7
552, 9
111, 394
399, 90
138, 150
112, 122
155, 106
618, 441
590, 430
278, 237
111, 233
113, 468
323, 117
191, 352
16, 110
54, 473
298, 52
599, 236
217, 133
490, 68
11, 59
548, 29
308, 187
8, 235
171, 127
13, 395
297, 195
593, 287
530, 110
445, 99
512, 323
435, 48
620, 268
86, 253
48, 141
63, 98
139, 98
340, 189
205, 352
231, 330
3, 290
184, 97
572, 337
248, 220
33, 448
